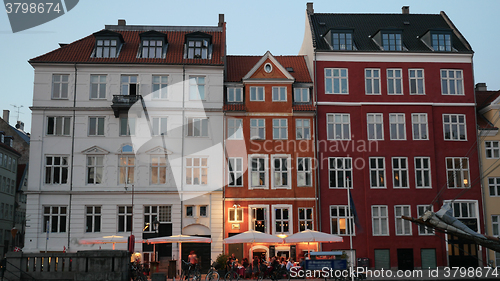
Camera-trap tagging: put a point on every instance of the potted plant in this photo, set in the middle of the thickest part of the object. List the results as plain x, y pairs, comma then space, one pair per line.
221, 262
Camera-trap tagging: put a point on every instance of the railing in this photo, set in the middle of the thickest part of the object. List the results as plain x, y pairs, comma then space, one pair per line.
18, 272
125, 100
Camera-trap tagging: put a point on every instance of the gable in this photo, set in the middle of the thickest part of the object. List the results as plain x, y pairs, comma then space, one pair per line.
95, 150
275, 73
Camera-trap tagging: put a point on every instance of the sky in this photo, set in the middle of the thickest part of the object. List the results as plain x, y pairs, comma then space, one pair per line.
253, 27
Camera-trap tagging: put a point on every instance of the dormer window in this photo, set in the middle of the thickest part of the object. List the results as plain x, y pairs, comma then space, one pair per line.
107, 44
340, 40
441, 42
392, 41
198, 45
153, 45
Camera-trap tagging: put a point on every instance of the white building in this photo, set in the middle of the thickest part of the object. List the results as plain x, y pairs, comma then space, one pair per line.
127, 129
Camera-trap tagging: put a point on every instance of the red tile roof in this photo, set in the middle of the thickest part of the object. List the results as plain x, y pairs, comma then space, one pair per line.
80, 51
484, 124
485, 98
234, 107
304, 107
238, 66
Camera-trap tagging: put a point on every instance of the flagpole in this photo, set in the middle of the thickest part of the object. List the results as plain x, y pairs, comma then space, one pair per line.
349, 224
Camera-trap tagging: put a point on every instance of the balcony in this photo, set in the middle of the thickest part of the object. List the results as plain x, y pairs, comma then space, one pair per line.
121, 103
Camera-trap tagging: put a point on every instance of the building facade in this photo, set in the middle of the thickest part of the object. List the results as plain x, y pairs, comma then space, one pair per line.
270, 182
126, 140
396, 121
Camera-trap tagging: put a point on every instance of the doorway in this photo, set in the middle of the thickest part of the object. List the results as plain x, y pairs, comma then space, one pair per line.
405, 259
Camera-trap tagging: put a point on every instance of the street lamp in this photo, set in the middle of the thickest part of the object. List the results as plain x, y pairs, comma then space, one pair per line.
131, 239
156, 225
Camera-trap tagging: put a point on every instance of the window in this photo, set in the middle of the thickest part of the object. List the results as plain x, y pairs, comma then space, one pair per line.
281, 171
97, 86
235, 165
234, 95
305, 219
156, 213
190, 211
301, 95
126, 165
492, 149
336, 81
494, 186
129, 85
302, 129
400, 172
196, 170
96, 126
257, 94
279, 93
58, 126
454, 127
338, 126
403, 227
268, 67
377, 172
159, 126
280, 129
452, 82
203, 211
197, 127
375, 125
441, 42
495, 225
196, 87
93, 219
340, 171
392, 42
235, 129
372, 81
56, 169
197, 49
60, 86
106, 48
127, 126
159, 87
380, 221
235, 215
55, 218
124, 218
258, 171
258, 129
423, 172
419, 126
397, 126
422, 229
342, 41
304, 171
464, 210
95, 166
416, 77
282, 219
457, 170
152, 48
341, 220
259, 219
158, 169
394, 82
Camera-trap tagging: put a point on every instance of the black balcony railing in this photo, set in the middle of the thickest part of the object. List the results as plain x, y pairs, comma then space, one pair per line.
122, 103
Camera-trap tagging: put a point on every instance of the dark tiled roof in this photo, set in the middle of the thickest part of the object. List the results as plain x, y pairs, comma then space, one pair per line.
484, 124
234, 107
80, 51
304, 107
238, 66
365, 25
485, 98
6, 147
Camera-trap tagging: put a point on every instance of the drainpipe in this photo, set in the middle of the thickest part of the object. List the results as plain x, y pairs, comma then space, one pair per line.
318, 185
183, 139
72, 159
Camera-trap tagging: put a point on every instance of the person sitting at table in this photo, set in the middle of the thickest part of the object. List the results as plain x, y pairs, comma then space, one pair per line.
289, 264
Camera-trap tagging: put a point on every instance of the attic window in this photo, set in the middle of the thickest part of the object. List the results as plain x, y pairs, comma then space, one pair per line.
153, 44
268, 67
340, 40
107, 44
198, 45
392, 41
441, 42
289, 69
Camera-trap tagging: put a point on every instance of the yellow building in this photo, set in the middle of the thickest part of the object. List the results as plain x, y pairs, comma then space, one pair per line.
488, 122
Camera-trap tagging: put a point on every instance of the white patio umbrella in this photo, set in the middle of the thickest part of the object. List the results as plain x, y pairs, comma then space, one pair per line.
111, 239
312, 236
253, 236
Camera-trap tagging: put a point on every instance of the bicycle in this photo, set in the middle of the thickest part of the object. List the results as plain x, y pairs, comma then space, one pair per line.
232, 275
212, 274
137, 272
280, 273
190, 272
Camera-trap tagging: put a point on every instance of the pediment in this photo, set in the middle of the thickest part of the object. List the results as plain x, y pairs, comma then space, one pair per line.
95, 150
159, 150
276, 71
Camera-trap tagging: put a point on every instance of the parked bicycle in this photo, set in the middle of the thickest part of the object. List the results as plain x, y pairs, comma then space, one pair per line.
212, 274
232, 274
190, 272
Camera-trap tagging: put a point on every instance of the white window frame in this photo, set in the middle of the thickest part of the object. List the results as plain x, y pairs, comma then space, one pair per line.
64, 129
398, 126
375, 122
190, 209
97, 168
93, 212
265, 170
416, 80
381, 220
400, 171
200, 211
61, 167
202, 170
395, 81
305, 220
424, 230
98, 87
423, 171
280, 129
99, 121
106, 48
129, 169
161, 83
275, 172
279, 94
233, 170
151, 48
399, 211
494, 186
348, 217
234, 129
419, 123
345, 170
392, 41
495, 225
377, 170
61, 83
274, 219
336, 76
305, 171
159, 125
299, 94
492, 149
197, 89
251, 220
54, 215
255, 129
255, 93
160, 166
236, 93
464, 172
203, 130
237, 214
457, 81
372, 81
151, 213
132, 79
125, 215
452, 125
130, 126
332, 124
302, 132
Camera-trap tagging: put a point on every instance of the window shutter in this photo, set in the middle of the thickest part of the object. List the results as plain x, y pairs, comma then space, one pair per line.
382, 260
428, 258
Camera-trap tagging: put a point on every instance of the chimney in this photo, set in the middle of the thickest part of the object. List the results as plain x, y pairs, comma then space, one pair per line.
310, 8
221, 20
6, 116
405, 10
481, 87
122, 22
